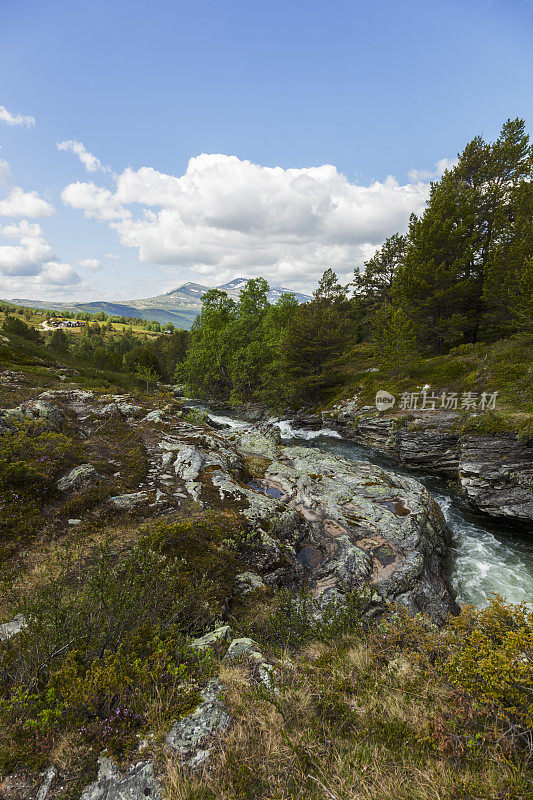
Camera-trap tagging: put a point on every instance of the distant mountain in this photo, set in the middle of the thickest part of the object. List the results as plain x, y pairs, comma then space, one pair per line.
179, 306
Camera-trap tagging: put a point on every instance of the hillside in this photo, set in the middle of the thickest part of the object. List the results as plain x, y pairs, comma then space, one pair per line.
179, 306
150, 646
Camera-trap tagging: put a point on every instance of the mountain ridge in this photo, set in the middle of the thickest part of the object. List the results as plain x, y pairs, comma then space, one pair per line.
179, 306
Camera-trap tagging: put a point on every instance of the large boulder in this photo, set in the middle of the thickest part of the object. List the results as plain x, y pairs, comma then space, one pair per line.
79, 478
335, 524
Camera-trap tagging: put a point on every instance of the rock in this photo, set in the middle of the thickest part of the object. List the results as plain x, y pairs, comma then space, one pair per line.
222, 634
357, 526
41, 410
246, 649
252, 412
127, 502
79, 478
44, 788
138, 783
249, 582
496, 474
241, 648
154, 416
68, 395
129, 409
179, 391
191, 736
74, 522
495, 471
10, 629
109, 410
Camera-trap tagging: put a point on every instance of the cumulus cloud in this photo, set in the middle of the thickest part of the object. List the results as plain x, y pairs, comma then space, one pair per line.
441, 166
94, 201
55, 273
89, 263
19, 203
15, 119
89, 161
30, 256
225, 216
30, 252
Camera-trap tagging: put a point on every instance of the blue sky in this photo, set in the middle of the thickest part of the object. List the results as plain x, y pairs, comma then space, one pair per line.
235, 137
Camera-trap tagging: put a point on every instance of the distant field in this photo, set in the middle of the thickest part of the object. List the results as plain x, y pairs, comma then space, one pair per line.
37, 319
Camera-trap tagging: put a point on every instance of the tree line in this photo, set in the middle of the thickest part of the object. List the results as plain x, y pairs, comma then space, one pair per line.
462, 273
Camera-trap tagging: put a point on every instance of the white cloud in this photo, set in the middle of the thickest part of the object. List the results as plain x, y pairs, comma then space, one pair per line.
15, 119
441, 166
19, 203
96, 202
5, 171
30, 252
89, 263
89, 161
111, 255
226, 217
55, 273
31, 257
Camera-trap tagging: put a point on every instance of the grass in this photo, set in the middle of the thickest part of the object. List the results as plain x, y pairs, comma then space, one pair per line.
364, 716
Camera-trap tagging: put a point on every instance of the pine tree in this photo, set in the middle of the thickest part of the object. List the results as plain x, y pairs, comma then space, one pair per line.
393, 339
470, 243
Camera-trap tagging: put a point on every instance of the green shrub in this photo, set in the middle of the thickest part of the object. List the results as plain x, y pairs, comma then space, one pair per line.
206, 545
292, 619
484, 652
31, 459
103, 641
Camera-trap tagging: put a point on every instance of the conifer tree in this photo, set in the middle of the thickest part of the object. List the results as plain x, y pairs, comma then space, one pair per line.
393, 339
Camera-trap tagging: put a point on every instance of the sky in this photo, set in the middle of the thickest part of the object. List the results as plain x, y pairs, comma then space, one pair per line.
143, 145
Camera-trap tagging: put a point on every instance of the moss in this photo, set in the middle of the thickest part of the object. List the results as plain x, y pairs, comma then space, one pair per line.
492, 424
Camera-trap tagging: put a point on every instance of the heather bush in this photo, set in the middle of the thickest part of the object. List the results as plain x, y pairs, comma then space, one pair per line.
103, 640
486, 653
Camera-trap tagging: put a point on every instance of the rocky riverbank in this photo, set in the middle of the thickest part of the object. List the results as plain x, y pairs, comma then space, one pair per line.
494, 470
319, 520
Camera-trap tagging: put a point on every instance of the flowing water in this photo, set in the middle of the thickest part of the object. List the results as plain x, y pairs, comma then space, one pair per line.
489, 556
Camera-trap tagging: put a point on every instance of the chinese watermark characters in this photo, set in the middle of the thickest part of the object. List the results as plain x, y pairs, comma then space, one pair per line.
442, 401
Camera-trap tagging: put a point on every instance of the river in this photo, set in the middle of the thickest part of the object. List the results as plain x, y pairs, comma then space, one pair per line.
489, 556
